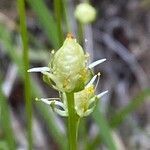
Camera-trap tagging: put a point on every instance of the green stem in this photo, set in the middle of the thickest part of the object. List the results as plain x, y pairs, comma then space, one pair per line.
58, 11
66, 19
83, 132
6, 121
46, 19
80, 33
21, 10
73, 121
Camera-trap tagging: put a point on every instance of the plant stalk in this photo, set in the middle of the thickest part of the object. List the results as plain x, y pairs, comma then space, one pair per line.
5, 120
58, 15
24, 36
66, 19
73, 121
80, 33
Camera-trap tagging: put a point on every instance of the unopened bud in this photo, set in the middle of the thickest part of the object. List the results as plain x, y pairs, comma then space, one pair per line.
85, 13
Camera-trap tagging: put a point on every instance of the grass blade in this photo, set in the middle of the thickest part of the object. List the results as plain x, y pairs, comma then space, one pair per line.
64, 4
105, 131
58, 14
46, 19
3, 145
134, 104
5, 120
23, 28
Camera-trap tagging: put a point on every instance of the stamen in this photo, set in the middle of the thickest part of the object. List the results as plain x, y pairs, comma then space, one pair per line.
98, 75
89, 111
86, 40
49, 101
46, 101
102, 94
92, 65
53, 52
60, 104
61, 112
37, 99
39, 69
92, 81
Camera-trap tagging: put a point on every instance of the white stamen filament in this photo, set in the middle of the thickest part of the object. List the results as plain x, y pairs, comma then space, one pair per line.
46, 101
60, 104
98, 75
50, 99
89, 111
61, 112
39, 69
102, 94
57, 103
92, 65
86, 40
92, 81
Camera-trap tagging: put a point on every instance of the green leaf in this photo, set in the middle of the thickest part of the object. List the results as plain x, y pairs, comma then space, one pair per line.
46, 19
27, 91
132, 106
4, 145
5, 121
59, 16
104, 129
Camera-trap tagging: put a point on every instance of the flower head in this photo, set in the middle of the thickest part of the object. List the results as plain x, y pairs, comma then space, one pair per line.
69, 66
85, 100
85, 13
68, 72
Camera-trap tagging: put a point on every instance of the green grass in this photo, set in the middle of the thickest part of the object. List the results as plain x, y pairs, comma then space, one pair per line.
28, 100
46, 20
59, 16
120, 116
104, 129
6, 122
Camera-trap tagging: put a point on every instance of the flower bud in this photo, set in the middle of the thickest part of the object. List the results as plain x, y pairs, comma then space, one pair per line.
85, 13
85, 100
68, 66
82, 100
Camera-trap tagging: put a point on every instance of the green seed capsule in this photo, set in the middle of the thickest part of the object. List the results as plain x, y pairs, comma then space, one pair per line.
69, 66
82, 100
85, 13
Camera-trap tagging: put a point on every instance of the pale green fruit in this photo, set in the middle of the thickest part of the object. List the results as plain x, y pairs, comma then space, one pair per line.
83, 100
69, 66
85, 13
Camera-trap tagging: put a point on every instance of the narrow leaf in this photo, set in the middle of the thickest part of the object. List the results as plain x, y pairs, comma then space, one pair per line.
104, 129
46, 19
132, 106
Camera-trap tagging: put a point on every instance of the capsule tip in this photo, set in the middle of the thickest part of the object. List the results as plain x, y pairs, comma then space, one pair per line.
70, 35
